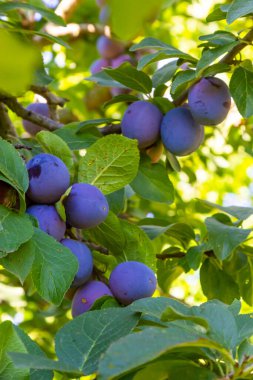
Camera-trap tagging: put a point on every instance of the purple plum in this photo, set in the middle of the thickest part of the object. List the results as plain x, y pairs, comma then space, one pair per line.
85, 260
116, 62
49, 220
87, 294
85, 206
48, 178
181, 134
109, 48
98, 65
142, 121
132, 280
209, 101
41, 109
104, 15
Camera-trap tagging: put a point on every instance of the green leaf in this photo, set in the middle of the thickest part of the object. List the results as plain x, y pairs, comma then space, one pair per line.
168, 271
103, 79
194, 256
170, 314
109, 234
81, 342
116, 201
162, 103
53, 269
128, 16
138, 247
241, 88
238, 212
152, 183
12, 167
182, 81
175, 369
15, 230
218, 284
53, 144
216, 68
160, 55
149, 43
20, 262
135, 350
44, 12
218, 38
16, 75
210, 55
216, 15
223, 328
110, 164
130, 77
125, 98
10, 341
33, 348
164, 74
239, 8
75, 139
245, 281
224, 239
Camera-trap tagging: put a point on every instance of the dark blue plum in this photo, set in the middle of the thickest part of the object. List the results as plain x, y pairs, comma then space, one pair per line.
98, 65
116, 62
49, 220
132, 280
209, 101
85, 260
142, 121
86, 295
181, 134
85, 206
109, 48
41, 109
48, 178
104, 15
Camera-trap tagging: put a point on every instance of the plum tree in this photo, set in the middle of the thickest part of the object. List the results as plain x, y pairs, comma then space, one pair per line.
132, 280
142, 121
85, 206
99, 64
155, 151
109, 48
181, 134
49, 220
41, 109
48, 178
209, 101
85, 260
87, 294
116, 62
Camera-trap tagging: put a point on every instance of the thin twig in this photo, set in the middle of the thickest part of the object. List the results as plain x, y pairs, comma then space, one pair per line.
7, 129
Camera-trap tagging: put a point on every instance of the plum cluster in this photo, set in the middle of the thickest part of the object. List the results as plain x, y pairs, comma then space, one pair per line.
128, 282
85, 207
181, 129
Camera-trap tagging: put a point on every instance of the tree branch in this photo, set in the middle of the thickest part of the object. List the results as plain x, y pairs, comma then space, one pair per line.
228, 58
7, 129
75, 31
12, 103
66, 8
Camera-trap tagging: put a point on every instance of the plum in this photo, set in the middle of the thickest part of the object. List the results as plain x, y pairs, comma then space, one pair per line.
85, 260
104, 15
132, 280
48, 178
109, 48
41, 109
155, 151
181, 134
96, 97
98, 65
142, 121
85, 206
49, 220
101, 3
116, 62
87, 294
209, 101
